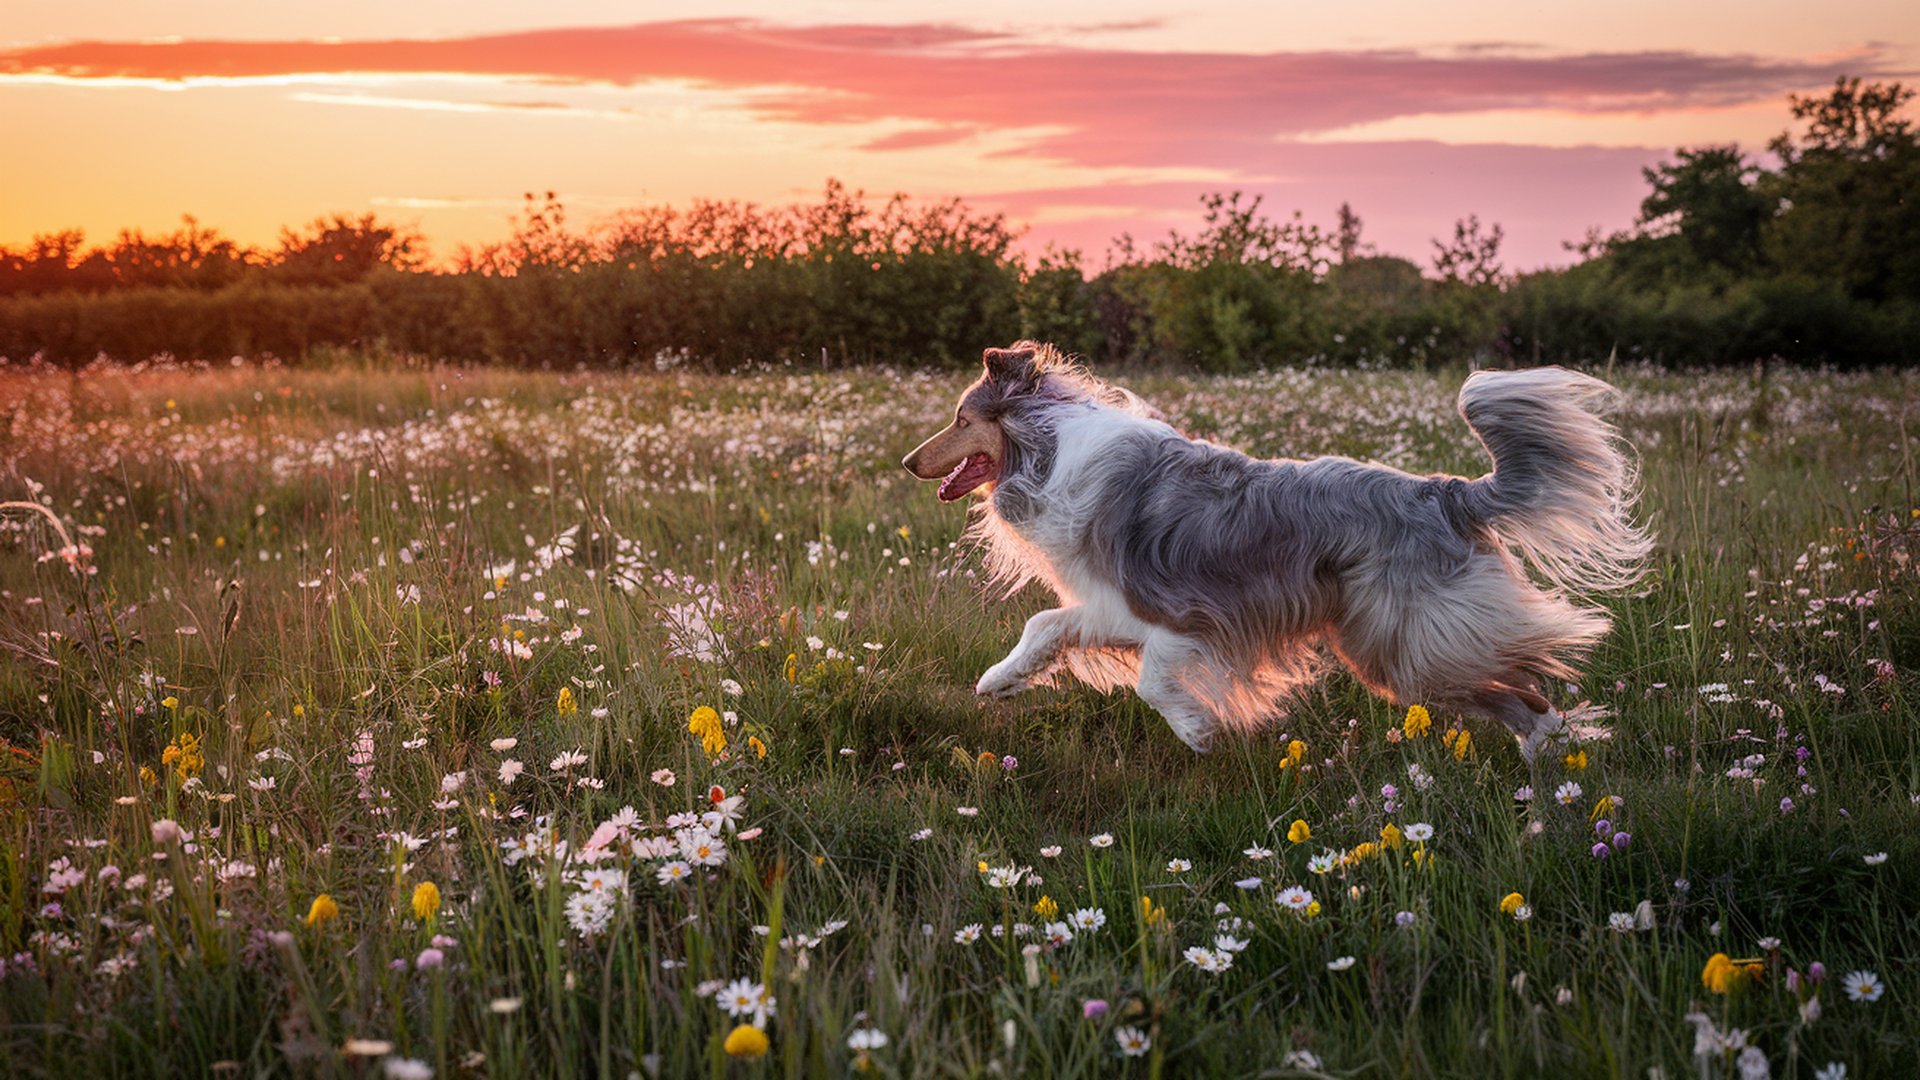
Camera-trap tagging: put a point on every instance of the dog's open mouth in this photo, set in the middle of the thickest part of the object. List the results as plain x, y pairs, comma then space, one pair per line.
977, 469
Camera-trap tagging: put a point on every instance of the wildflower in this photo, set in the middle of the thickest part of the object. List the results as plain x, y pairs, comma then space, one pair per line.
1460, 741
1863, 986
1874, 859
566, 760
504, 1006
510, 771
426, 900
1102, 840
1566, 793
920, 834
744, 997
967, 934
1133, 1042
760, 751
1607, 805
1417, 722
1058, 934
1046, 908
323, 911
663, 777
429, 959
1088, 919
1390, 835
1093, 1008
1719, 973
705, 723
1249, 883
1258, 853
167, 831
1296, 752
1299, 832
1575, 761
1523, 913
1323, 863
866, 1038
1511, 902
1834, 1070
1208, 960
746, 1041
183, 753
1178, 866
1523, 793
565, 705
1420, 832
1151, 915
1340, 963
1051, 851
1294, 897
1403, 919
1621, 922
501, 746
399, 1068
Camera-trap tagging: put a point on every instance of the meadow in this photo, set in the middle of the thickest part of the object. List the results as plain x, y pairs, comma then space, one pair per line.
376, 720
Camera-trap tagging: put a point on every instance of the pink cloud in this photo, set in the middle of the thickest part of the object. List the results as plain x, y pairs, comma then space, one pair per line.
1238, 115
1115, 106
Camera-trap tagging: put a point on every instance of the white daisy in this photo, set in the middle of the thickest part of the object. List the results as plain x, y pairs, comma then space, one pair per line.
1863, 986
1133, 1042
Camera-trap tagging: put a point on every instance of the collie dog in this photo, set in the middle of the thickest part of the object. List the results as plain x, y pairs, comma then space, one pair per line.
1217, 586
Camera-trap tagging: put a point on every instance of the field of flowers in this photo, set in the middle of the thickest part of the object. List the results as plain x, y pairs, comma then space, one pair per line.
469, 722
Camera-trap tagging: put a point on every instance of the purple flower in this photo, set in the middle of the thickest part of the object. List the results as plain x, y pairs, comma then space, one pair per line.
1403, 919
1601, 851
1603, 826
1009, 763
430, 958
1786, 805
1093, 1008
1621, 840
1817, 971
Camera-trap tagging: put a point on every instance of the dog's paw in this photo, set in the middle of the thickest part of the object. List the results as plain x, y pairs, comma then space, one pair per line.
999, 682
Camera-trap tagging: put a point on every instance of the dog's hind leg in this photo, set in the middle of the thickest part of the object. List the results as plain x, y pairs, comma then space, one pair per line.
1045, 638
1164, 656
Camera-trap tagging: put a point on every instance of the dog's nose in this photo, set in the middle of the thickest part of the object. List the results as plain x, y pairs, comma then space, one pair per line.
907, 462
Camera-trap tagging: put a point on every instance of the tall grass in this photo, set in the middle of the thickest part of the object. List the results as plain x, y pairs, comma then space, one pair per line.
358, 583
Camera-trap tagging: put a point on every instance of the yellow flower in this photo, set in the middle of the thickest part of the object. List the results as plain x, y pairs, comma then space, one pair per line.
1718, 975
982, 866
1417, 722
566, 705
1299, 832
793, 667
1511, 903
759, 747
986, 760
746, 1041
1390, 835
1313, 909
1458, 741
1296, 750
904, 532
170, 701
147, 776
426, 900
1151, 915
1046, 908
299, 711
1602, 808
1365, 851
324, 910
706, 724
183, 753
1576, 760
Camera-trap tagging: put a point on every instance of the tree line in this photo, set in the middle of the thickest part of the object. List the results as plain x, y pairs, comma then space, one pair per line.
1810, 253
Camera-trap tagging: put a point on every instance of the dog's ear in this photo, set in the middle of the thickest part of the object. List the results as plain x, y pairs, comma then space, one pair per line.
1011, 365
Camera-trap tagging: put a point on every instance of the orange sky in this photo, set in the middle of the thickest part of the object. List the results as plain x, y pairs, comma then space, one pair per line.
1083, 122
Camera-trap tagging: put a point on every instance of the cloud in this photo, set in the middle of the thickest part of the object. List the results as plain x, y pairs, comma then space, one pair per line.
1087, 106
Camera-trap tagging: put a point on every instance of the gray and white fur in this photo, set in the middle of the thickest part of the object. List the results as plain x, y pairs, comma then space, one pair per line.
1217, 585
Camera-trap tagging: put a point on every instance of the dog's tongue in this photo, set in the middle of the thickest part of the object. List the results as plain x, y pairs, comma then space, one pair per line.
977, 469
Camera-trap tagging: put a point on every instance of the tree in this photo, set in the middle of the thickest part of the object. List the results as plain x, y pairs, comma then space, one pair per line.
342, 249
1346, 236
1846, 192
1473, 258
1709, 199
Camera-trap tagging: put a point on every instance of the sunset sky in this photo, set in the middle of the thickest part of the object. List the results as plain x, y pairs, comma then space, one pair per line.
1081, 120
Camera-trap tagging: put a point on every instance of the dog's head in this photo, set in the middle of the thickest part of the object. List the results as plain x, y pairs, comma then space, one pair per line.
968, 454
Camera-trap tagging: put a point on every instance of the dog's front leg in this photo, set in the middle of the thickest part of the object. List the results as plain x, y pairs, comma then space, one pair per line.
1046, 635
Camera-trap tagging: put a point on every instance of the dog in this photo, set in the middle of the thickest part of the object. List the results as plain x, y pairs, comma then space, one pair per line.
1217, 586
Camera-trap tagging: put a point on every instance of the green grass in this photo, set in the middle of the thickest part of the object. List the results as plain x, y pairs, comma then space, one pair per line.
305, 571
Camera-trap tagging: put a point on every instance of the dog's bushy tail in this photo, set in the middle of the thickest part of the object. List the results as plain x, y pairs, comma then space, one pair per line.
1563, 482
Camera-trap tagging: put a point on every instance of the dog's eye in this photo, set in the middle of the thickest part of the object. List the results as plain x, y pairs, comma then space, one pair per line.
960, 421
